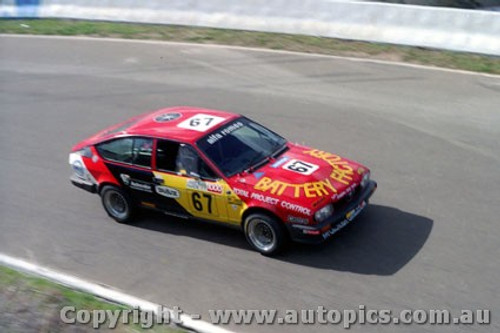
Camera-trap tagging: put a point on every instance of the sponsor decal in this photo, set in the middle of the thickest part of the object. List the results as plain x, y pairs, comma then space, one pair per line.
78, 168
297, 219
140, 186
296, 208
135, 184
148, 204
214, 188
125, 178
200, 185
166, 117
280, 162
265, 199
214, 137
349, 217
194, 184
342, 172
241, 193
355, 212
304, 168
361, 170
334, 230
167, 191
95, 158
258, 175
310, 190
201, 122
344, 193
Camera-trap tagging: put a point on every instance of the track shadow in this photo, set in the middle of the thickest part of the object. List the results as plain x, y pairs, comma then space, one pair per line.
380, 241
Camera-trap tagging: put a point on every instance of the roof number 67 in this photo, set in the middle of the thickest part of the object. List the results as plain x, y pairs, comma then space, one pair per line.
201, 122
206, 121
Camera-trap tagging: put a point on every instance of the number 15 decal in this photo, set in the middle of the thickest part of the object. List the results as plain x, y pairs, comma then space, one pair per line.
301, 167
201, 122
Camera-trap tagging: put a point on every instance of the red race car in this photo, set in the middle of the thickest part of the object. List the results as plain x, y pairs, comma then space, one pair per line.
221, 167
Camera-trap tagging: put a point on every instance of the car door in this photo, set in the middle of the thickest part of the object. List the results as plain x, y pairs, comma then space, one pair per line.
182, 176
169, 186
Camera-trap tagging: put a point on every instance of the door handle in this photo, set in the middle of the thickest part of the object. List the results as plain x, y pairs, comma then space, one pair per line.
158, 180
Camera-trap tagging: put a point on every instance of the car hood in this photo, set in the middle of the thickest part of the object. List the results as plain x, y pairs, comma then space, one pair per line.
305, 175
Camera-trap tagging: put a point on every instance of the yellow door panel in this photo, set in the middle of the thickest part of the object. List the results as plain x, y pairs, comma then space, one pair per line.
205, 199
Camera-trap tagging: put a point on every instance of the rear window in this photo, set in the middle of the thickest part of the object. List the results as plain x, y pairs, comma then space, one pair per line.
136, 151
121, 127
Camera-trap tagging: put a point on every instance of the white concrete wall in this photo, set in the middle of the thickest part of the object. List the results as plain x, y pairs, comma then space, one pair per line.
444, 28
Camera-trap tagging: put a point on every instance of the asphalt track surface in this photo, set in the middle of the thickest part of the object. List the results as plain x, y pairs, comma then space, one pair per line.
430, 239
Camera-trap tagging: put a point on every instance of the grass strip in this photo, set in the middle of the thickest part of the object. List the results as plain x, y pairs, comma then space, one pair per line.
29, 303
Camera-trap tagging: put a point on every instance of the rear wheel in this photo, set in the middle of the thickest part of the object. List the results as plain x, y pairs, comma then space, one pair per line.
264, 234
117, 204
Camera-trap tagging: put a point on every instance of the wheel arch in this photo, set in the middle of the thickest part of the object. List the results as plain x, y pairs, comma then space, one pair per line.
104, 184
260, 210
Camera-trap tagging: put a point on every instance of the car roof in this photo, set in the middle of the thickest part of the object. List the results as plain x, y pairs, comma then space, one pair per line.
169, 123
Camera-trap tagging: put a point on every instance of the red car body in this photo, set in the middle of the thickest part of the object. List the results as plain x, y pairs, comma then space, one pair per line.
289, 188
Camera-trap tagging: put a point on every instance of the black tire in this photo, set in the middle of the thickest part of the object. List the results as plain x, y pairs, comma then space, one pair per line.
117, 204
265, 234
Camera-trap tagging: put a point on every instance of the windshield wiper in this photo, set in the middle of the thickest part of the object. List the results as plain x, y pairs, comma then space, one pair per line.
257, 162
280, 150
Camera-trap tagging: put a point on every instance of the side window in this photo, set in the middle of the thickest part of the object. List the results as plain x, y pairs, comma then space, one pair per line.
189, 162
205, 171
128, 150
181, 158
119, 150
166, 154
141, 153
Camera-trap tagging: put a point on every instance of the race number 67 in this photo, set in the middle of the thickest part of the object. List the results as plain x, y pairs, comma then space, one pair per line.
198, 121
201, 122
198, 203
301, 167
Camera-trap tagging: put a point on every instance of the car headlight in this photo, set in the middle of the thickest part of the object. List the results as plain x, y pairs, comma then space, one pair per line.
366, 179
323, 213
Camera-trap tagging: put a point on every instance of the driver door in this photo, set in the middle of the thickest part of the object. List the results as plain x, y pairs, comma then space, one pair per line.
183, 181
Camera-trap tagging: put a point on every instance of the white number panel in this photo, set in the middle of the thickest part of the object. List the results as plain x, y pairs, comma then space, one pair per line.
201, 122
304, 168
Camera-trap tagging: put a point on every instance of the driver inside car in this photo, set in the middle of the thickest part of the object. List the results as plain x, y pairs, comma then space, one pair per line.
187, 161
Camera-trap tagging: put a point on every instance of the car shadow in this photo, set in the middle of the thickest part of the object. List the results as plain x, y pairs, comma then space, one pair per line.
380, 241
212, 232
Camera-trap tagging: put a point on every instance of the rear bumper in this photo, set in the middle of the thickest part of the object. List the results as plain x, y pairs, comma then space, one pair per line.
89, 187
321, 232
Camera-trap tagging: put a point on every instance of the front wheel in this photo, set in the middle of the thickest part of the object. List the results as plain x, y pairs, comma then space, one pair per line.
264, 234
117, 204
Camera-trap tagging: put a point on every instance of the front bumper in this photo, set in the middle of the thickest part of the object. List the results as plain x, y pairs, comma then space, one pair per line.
321, 232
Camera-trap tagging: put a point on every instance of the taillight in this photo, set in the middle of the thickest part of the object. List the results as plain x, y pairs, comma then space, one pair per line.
85, 152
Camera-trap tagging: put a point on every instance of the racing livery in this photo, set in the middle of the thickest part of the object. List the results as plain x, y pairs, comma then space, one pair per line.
221, 167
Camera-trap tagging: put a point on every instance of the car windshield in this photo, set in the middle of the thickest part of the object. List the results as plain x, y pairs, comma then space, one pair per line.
241, 145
